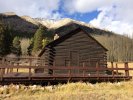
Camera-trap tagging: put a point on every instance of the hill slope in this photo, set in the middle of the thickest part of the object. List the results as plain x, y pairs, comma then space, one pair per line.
26, 24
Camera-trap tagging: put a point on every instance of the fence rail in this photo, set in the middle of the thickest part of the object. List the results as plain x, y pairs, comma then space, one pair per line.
21, 68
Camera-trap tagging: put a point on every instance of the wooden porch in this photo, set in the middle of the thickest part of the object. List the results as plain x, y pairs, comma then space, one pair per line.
22, 70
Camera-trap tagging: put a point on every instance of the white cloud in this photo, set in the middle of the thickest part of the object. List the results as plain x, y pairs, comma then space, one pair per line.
84, 6
34, 8
115, 15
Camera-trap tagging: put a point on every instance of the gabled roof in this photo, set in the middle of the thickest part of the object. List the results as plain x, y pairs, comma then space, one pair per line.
62, 38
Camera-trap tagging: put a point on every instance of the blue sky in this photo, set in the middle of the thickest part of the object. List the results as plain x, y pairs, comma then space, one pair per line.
113, 15
87, 17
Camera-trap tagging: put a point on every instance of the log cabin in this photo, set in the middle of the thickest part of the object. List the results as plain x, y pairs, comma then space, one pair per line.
76, 48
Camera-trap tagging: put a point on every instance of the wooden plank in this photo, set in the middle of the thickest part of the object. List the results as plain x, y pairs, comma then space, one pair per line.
74, 45
83, 50
78, 38
126, 69
2, 73
117, 69
83, 70
82, 53
29, 73
97, 70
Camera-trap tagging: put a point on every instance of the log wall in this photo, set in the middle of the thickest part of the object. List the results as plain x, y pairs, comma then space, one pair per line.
78, 50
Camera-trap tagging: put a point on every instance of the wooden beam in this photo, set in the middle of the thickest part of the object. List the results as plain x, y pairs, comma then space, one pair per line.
112, 66
97, 70
126, 69
29, 73
117, 69
83, 70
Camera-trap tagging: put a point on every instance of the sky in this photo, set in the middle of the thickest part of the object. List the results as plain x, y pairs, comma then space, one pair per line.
112, 15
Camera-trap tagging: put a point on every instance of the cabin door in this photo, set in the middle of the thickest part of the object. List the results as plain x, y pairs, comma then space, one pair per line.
74, 58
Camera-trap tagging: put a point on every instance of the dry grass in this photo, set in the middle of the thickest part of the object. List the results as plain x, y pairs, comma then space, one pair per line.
70, 91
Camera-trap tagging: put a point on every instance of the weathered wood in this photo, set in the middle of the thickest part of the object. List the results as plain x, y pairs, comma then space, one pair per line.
69, 69
2, 73
117, 69
78, 46
83, 70
97, 69
63, 67
79, 75
126, 69
29, 73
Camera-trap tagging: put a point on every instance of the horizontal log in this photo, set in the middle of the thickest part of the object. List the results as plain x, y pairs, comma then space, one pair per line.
75, 44
79, 48
80, 37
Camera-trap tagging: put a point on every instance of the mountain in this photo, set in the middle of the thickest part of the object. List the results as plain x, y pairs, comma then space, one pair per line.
27, 25
22, 25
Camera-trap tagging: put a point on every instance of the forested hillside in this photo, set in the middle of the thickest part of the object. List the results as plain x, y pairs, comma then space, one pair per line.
120, 48
23, 36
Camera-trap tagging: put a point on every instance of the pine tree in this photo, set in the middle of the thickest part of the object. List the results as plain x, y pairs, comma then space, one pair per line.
45, 41
16, 48
5, 39
2, 28
29, 49
38, 37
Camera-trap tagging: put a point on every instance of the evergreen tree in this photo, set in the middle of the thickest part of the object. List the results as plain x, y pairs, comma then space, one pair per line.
38, 37
5, 40
8, 40
45, 41
29, 51
2, 28
16, 48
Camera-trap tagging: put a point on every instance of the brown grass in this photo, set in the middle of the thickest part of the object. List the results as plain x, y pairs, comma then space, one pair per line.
70, 91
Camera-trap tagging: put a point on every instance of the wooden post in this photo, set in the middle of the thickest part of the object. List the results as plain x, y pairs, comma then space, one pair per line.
83, 69
69, 72
7, 70
126, 69
17, 65
116, 69
53, 69
69, 69
3, 63
1, 74
11, 69
97, 69
0, 60
29, 73
30, 59
112, 66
